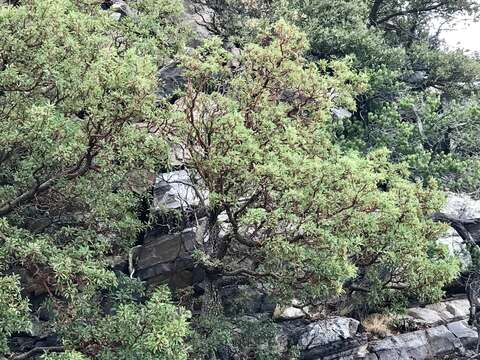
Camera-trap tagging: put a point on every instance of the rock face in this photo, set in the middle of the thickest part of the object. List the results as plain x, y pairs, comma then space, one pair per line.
295, 311
197, 17
418, 345
167, 259
462, 331
426, 316
440, 313
171, 77
331, 337
322, 343
174, 190
250, 301
288, 313
462, 206
341, 113
444, 332
324, 332
456, 246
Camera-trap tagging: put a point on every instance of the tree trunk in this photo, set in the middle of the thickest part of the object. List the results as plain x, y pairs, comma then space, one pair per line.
212, 302
469, 231
373, 16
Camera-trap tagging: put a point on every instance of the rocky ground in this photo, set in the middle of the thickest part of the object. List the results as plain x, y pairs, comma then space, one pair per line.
470, 355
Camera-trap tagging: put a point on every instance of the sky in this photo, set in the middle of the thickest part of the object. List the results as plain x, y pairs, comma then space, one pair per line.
465, 34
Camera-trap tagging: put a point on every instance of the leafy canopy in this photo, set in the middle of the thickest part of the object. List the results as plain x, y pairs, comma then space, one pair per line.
398, 44
77, 102
314, 220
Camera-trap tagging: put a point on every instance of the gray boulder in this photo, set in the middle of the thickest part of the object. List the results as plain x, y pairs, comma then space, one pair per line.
341, 113
166, 248
465, 209
456, 246
418, 345
442, 341
461, 206
459, 308
171, 78
175, 190
288, 313
412, 345
337, 338
416, 77
323, 332
119, 9
427, 316
439, 313
451, 310
462, 331
197, 17
349, 349
167, 259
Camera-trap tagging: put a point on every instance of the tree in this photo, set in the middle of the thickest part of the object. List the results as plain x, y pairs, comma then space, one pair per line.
13, 310
77, 118
396, 43
287, 208
154, 330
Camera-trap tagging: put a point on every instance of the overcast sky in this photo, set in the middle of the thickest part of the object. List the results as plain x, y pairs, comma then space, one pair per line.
466, 34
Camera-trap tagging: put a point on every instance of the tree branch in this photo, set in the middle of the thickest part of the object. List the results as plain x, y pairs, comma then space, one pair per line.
463, 227
250, 273
372, 17
241, 239
411, 11
78, 170
36, 350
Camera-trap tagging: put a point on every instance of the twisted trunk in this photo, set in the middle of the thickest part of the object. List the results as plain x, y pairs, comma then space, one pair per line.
469, 231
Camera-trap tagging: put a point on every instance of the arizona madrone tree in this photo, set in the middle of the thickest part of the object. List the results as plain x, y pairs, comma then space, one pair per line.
287, 208
422, 101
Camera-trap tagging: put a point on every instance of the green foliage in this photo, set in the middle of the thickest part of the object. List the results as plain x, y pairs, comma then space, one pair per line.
392, 41
211, 334
439, 140
67, 355
317, 221
154, 330
13, 310
77, 102
300, 204
237, 20
396, 44
243, 337
340, 28
155, 30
